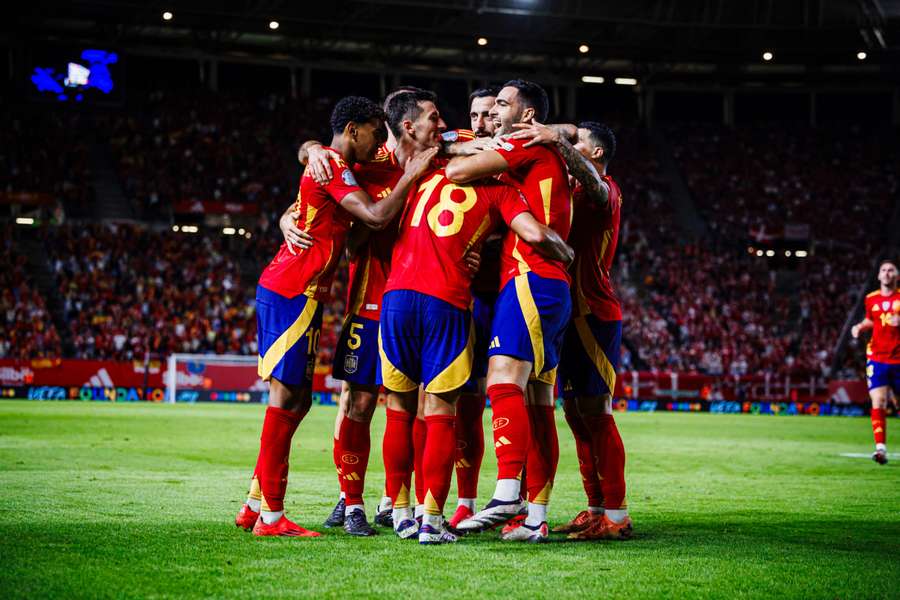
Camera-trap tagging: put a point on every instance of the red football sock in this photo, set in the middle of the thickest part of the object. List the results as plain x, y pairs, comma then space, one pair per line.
543, 454
585, 453
397, 451
336, 455
469, 443
610, 456
879, 426
355, 444
279, 426
419, 432
512, 432
437, 463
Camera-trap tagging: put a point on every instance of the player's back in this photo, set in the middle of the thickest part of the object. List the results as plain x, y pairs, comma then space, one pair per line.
594, 237
539, 172
442, 221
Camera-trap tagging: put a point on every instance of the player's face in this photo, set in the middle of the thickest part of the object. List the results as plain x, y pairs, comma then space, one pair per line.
480, 116
507, 110
369, 137
587, 147
428, 127
887, 274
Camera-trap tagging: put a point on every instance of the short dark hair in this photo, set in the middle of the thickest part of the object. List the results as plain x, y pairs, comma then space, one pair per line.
354, 109
533, 95
602, 136
887, 261
484, 93
405, 105
399, 90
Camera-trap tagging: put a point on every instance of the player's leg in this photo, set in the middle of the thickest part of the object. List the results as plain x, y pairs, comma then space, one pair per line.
469, 450
447, 353
437, 465
586, 465
336, 518
470, 414
879, 380
288, 330
355, 441
601, 341
400, 356
879, 398
541, 463
420, 430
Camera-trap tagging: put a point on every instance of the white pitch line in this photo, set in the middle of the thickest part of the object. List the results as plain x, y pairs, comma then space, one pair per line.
869, 456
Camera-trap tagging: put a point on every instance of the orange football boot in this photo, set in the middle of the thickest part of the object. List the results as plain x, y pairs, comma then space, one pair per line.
604, 529
282, 527
246, 517
582, 521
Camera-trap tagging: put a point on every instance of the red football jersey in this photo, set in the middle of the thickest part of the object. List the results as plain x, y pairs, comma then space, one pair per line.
370, 269
440, 223
539, 172
311, 271
884, 312
594, 237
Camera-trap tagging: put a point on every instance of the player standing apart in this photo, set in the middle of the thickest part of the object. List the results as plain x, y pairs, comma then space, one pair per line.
883, 351
289, 296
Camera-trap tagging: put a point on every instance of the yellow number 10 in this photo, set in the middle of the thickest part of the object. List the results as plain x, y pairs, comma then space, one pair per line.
446, 203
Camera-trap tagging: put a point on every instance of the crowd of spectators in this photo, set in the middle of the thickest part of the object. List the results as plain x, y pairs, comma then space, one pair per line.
218, 148
45, 153
26, 327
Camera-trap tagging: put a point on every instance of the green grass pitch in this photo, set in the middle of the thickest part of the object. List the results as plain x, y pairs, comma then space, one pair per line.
137, 500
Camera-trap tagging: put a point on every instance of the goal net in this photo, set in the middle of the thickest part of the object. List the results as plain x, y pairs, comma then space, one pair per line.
214, 378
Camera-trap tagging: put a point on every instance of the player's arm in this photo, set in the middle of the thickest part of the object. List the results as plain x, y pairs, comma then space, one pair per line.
463, 169
316, 159
293, 235
864, 325
546, 241
377, 215
582, 169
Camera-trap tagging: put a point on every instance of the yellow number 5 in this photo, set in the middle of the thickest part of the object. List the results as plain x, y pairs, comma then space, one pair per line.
355, 341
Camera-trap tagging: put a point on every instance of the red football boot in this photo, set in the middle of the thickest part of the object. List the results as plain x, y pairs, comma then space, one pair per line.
246, 517
513, 523
282, 527
462, 513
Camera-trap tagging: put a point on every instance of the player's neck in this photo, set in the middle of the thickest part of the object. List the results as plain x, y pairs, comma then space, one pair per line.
888, 290
405, 149
343, 147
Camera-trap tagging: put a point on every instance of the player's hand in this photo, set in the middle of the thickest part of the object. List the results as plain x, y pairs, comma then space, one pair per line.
318, 164
473, 261
416, 166
477, 145
536, 133
854, 331
293, 235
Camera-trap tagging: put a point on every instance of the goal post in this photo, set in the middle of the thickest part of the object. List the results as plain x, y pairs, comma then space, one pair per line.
213, 378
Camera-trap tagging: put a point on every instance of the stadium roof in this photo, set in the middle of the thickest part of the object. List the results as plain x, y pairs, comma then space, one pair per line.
662, 39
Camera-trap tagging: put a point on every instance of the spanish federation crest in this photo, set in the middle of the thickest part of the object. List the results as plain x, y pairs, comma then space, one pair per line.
348, 178
351, 363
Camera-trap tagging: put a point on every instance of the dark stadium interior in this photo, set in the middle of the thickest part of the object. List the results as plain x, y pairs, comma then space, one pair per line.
212, 105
